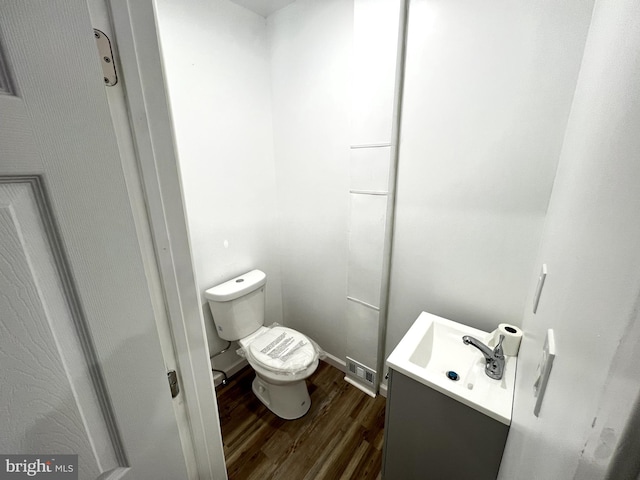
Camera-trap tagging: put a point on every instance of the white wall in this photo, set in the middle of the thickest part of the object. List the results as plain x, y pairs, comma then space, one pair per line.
310, 43
378, 27
217, 68
488, 88
226, 68
592, 291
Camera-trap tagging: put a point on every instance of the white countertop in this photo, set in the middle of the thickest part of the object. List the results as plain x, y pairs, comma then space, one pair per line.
433, 345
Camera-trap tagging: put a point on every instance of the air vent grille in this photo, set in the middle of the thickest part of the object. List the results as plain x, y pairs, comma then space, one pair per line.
361, 373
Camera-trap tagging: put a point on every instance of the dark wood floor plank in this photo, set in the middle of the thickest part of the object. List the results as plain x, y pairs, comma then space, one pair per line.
314, 441
334, 461
357, 457
340, 437
369, 467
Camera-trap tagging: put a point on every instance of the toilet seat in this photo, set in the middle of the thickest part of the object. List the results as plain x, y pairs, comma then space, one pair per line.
280, 350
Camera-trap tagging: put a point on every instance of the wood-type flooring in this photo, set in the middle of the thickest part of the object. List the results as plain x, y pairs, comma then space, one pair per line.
339, 438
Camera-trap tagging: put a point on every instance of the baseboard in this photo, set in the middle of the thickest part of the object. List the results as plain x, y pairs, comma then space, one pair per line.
335, 362
383, 390
358, 385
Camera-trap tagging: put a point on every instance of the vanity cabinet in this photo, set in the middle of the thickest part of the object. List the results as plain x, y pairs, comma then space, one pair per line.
429, 435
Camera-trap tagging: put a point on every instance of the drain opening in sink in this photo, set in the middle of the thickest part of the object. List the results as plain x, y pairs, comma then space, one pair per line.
451, 375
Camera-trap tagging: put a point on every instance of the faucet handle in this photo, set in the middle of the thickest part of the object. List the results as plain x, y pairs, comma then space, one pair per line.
498, 352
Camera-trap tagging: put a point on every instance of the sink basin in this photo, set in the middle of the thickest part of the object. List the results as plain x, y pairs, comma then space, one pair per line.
433, 346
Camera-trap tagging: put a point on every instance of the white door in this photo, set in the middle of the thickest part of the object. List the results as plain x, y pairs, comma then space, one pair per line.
81, 370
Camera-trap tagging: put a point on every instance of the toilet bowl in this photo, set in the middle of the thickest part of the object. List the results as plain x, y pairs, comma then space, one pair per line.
281, 357
279, 384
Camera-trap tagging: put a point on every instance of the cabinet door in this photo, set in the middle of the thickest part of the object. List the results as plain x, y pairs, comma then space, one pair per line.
431, 436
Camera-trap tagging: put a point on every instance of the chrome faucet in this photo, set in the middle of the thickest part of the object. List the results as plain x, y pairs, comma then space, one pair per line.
494, 366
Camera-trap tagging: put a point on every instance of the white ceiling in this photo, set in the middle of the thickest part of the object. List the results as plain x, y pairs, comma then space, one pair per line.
263, 7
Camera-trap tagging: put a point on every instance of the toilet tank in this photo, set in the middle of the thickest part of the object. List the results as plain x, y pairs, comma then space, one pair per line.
237, 305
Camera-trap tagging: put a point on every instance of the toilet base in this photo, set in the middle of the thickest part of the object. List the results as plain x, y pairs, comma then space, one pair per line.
288, 401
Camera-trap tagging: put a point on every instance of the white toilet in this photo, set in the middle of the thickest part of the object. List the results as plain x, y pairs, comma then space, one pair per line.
281, 357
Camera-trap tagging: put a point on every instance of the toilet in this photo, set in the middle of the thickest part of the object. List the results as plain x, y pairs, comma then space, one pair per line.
281, 357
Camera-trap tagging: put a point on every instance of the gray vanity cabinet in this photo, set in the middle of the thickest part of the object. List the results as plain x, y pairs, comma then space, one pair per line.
429, 435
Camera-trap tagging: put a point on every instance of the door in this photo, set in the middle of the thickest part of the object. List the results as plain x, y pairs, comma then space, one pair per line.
81, 367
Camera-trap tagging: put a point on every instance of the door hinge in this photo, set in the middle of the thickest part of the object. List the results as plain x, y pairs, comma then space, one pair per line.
173, 383
106, 58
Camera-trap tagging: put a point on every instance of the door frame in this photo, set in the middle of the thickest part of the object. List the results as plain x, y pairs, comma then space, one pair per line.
134, 23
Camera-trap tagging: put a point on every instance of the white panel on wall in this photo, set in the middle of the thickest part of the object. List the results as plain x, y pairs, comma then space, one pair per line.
362, 333
369, 169
375, 43
366, 244
375, 70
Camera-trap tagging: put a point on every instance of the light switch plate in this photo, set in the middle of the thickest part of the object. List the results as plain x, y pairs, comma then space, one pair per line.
544, 370
541, 278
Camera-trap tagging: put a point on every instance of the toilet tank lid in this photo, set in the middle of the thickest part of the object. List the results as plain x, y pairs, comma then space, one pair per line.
236, 287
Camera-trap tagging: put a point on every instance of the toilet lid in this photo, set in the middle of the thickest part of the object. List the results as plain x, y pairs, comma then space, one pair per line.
282, 350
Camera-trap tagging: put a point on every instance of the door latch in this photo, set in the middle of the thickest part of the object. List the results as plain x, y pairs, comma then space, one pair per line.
173, 383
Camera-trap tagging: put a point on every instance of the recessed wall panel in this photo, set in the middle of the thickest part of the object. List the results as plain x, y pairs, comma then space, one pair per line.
362, 333
369, 169
366, 246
